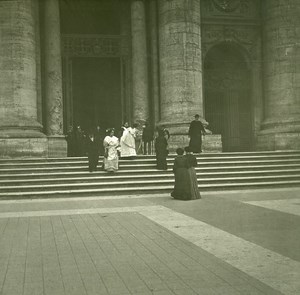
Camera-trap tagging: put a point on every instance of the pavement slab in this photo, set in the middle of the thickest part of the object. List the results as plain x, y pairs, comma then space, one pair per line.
226, 243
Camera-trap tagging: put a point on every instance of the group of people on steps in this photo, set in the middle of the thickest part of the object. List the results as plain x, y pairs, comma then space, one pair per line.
124, 144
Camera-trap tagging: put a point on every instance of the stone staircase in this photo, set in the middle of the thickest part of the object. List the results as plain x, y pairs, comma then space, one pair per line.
69, 177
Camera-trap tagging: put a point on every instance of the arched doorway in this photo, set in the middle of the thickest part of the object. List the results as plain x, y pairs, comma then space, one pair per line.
227, 97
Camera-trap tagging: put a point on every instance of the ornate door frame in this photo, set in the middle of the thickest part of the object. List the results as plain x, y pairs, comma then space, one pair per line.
227, 101
237, 22
247, 41
77, 45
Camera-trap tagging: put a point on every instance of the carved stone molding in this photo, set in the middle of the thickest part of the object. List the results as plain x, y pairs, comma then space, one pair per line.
230, 5
230, 8
246, 37
93, 46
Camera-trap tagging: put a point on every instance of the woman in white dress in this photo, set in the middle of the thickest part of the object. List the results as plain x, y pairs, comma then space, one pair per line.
111, 145
128, 143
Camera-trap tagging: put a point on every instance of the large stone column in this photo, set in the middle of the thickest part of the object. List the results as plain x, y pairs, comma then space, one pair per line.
53, 79
180, 66
154, 89
140, 102
20, 132
281, 55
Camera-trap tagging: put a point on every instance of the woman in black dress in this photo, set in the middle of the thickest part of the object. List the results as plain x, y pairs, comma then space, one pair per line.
182, 182
193, 182
161, 151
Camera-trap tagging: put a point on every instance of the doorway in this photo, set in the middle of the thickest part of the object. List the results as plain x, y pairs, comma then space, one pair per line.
227, 97
96, 92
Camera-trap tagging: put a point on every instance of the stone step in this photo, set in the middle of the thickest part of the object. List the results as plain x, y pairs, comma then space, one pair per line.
145, 190
133, 172
66, 162
141, 183
91, 177
134, 165
64, 177
204, 155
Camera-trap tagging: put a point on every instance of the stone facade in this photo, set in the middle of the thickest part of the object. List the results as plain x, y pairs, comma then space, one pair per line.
281, 125
163, 54
20, 132
180, 65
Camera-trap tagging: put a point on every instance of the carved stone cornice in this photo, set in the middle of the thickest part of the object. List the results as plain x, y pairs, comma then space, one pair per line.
244, 9
93, 45
230, 5
245, 36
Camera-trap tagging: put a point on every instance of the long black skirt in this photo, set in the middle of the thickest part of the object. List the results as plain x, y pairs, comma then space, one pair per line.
161, 161
195, 144
186, 184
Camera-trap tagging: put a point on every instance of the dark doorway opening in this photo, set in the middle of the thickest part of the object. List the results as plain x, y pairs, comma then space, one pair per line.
96, 92
227, 97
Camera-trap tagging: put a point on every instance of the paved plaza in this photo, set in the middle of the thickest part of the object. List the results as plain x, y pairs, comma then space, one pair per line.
241, 242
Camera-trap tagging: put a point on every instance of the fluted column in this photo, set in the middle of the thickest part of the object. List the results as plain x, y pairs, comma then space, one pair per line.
18, 77
140, 103
53, 68
281, 55
180, 63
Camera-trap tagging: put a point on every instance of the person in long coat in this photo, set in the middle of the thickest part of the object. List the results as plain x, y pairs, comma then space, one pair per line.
92, 151
193, 181
182, 180
122, 129
99, 137
161, 151
196, 130
127, 143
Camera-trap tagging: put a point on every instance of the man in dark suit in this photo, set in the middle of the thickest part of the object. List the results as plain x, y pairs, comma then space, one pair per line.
92, 151
80, 141
195, 133
99, 137
147, 137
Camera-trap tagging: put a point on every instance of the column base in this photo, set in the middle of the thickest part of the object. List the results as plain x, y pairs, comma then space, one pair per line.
22, 147
32, 147
57, 146
278, 141
211, 143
